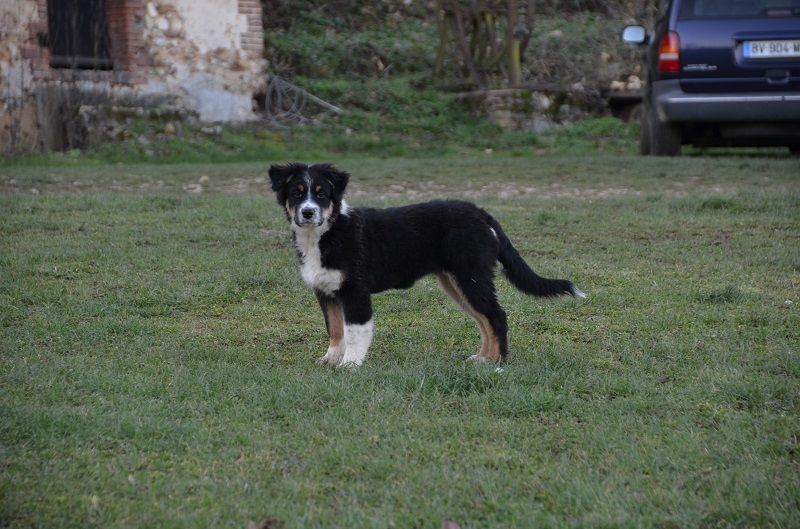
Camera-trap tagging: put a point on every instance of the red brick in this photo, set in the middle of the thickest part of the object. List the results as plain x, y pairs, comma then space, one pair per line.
30, 51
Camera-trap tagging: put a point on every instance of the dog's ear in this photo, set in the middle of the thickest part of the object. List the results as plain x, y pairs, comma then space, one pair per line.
279, 175
336, 177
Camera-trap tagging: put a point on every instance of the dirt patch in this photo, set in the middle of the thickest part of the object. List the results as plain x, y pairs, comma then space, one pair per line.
501, 191
402, 181
58, 183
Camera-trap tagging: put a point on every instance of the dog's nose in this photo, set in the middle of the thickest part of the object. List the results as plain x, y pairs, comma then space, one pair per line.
307, 213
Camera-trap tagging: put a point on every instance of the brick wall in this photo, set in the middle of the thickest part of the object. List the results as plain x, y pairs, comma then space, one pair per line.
127, 47
33, 50
253, 39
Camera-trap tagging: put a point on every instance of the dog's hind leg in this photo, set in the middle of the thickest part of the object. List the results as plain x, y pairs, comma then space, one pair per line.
334, 323
450, 287
480, 294
478, 299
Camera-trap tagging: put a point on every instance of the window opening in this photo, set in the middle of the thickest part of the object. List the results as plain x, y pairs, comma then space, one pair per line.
78, 34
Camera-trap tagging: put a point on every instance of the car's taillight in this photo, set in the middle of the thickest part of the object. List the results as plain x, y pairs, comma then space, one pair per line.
669, 53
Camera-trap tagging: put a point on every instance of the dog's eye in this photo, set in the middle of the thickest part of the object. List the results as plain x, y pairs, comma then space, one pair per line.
320, 194
298, 193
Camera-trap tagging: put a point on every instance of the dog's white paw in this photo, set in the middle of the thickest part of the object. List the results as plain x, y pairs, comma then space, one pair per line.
326, 361
478, 359
351, 361
333, 357
348, 364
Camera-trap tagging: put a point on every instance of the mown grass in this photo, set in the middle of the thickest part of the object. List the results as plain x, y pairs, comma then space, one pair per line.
158, 354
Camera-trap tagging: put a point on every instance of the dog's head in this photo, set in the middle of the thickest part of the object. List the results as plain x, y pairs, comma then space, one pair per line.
310, 194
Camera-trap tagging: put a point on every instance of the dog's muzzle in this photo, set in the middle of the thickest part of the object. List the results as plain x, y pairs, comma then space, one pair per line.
308, 215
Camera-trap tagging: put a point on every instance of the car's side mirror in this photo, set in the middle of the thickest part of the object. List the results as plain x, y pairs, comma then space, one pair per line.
635, 35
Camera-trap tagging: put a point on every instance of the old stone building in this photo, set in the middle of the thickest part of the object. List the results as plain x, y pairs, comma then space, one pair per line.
68, 67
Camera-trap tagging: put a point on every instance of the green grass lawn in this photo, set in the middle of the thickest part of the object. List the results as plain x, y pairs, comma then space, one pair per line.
157, 353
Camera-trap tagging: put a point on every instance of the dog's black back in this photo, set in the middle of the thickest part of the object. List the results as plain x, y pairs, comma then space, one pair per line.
393, 248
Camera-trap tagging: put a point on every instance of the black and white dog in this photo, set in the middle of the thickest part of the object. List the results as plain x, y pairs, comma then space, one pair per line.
348, 254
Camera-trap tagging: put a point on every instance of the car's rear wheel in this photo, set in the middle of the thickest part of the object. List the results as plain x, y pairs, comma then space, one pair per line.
644, 130
665, 138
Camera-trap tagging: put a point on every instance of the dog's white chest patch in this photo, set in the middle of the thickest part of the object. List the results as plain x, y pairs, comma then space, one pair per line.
327, 280
316, 276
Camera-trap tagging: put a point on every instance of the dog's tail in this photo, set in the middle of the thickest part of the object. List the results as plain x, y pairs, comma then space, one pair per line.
522, 276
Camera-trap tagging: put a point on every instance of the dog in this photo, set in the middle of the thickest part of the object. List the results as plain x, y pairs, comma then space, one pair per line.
347, 254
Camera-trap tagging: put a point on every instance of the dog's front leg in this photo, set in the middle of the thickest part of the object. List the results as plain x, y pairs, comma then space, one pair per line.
358, 327
334, 323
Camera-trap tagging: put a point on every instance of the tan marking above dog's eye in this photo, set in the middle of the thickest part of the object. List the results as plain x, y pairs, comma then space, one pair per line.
318, 189
302, 189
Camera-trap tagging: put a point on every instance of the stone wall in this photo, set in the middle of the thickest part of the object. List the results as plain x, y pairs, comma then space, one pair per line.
18, 117
535, 109
188, 58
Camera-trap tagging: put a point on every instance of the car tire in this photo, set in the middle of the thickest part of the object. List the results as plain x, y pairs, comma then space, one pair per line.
665, 138
644, 130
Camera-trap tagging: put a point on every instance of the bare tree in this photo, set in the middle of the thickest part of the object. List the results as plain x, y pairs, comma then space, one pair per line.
489, 36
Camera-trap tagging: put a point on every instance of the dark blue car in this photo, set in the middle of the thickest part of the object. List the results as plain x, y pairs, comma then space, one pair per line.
721, 73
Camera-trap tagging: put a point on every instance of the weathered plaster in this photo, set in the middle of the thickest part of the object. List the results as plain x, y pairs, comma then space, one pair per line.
211, 24
196, 49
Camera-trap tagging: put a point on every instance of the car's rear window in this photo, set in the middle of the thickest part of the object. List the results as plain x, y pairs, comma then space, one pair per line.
693, 9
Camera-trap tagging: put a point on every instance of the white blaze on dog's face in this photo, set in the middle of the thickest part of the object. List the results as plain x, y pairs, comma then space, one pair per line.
309, 203
311, 195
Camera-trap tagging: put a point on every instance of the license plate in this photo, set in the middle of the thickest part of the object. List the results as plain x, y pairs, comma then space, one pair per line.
771, 49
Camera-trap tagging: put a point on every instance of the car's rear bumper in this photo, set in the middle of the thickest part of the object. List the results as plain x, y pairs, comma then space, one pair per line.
675, 105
